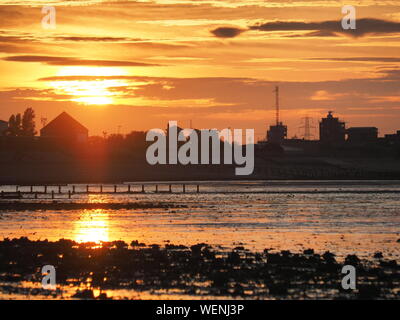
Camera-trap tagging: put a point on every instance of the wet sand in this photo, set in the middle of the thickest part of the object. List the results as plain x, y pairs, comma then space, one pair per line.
118, 270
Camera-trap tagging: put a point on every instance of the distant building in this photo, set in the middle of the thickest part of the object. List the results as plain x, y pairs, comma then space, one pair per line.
277, 134
331, 130
362, 134
393, 138
3, 127
65, 127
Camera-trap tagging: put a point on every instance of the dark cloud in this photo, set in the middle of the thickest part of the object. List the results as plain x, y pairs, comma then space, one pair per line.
317, 29
363, 27
227, 32
321, 33
360, 59
69, 61
94, 39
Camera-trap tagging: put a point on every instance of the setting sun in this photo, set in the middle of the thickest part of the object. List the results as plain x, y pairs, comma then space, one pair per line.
93, 91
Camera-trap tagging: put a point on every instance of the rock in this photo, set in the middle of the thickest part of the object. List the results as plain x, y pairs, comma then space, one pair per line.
390, 263
329, 257
84, 294
308, 251
352, 259
103, 296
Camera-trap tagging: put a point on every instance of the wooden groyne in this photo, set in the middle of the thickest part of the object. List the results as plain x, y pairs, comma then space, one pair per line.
68, 191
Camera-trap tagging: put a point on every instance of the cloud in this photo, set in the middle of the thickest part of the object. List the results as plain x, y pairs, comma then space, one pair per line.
248, 93
332, 28
323, 95
95, 39
70, 61
227, 32
360, 59
364, 26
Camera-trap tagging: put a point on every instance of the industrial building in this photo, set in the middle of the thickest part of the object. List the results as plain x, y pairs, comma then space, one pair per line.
332, 130
362, 134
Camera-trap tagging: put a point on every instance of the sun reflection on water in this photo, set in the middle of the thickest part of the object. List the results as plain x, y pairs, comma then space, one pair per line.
98, 198
92, 226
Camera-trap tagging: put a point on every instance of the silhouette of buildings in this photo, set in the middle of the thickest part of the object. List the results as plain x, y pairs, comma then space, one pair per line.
65, 127
393, 138
3, 126
362, 134
332, 130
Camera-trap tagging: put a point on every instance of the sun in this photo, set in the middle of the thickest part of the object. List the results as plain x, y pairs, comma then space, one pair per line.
89, 85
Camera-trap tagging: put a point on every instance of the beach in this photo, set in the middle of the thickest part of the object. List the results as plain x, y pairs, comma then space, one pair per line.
359, 218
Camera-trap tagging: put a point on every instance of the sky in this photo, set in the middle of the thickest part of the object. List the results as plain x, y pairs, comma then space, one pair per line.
118, 66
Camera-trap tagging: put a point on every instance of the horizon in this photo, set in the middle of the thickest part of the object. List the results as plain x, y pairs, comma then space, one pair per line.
166, 129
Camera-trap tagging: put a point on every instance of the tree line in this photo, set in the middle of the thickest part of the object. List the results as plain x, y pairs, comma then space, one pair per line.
22, 125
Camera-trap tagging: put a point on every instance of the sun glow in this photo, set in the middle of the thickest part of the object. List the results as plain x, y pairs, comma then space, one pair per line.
92, 226
93, 91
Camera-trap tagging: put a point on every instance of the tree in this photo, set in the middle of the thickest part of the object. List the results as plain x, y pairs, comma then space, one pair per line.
22, 126
28, 123
14, 125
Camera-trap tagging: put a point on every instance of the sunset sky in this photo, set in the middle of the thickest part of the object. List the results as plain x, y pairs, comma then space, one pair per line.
134, 65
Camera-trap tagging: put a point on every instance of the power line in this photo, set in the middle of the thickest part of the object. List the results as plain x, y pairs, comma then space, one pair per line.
307, 126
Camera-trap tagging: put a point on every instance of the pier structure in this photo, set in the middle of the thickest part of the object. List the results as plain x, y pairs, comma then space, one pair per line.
68, 191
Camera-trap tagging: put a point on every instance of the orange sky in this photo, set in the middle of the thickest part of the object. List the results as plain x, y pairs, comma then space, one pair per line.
135, 65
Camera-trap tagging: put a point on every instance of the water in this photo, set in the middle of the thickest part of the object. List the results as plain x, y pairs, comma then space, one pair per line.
359, 217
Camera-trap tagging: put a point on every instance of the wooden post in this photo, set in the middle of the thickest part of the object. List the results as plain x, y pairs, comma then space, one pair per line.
156, 188
101, 188
52, 194
69, 194
115, 189
184, 188
16, 188
45, 189
143, 188
87, 188
31, 189
59, 189
73, 189
198, 188
35, 195
170, 189
129, 188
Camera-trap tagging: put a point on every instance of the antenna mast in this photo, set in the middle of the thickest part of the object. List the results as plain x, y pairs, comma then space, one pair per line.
277, 104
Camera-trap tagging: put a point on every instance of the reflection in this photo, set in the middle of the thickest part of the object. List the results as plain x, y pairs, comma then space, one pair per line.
97, 198
92, 226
